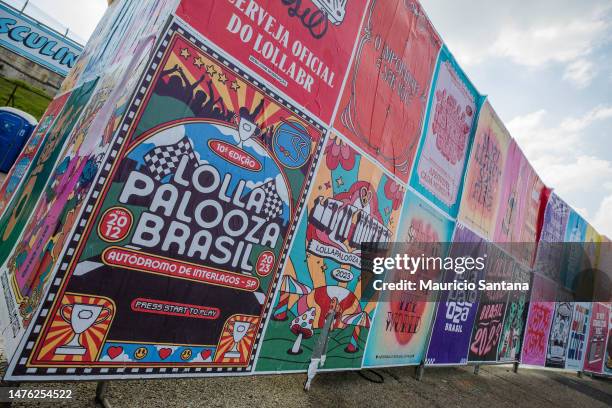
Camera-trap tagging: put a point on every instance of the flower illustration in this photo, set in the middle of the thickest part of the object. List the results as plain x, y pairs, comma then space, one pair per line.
339, 153
450, 126
394, 192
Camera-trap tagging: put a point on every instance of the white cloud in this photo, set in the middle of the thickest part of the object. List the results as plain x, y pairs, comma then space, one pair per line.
603, 218
566, 139
531, 34
538, 45
580, 72
570, 175
168, 136
601, 112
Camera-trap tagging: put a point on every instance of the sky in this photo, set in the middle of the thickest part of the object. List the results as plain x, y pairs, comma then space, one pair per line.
73, 14
546, 66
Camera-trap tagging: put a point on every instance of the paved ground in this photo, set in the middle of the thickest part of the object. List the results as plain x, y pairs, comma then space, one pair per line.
495, 386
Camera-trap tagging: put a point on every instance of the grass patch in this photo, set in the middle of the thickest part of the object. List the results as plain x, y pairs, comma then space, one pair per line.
27, 98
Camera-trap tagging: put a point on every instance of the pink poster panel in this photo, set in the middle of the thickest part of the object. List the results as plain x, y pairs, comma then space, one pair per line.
483, 183
538, 321
517, 216
531, 190
508, 215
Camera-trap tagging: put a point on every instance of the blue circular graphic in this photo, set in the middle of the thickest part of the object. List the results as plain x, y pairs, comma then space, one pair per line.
292, 144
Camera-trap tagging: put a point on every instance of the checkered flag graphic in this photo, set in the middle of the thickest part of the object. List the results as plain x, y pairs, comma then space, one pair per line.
273, 204
163, 160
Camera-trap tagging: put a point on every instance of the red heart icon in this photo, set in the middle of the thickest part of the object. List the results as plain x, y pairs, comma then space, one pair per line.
114, 351
205, 354
164, 353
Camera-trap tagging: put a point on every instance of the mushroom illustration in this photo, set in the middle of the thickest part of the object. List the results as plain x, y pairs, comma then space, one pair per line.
358, 320
288, 287
301, 326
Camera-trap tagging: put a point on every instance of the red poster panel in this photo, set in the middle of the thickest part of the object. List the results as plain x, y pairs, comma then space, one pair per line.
385, 97
596, 345
301, 47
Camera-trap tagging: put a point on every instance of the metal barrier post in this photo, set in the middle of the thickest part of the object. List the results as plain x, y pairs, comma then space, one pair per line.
11, 99
320, 352
101, 390
420, 371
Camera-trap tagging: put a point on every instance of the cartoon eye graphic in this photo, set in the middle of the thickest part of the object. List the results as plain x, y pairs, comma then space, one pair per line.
140, 353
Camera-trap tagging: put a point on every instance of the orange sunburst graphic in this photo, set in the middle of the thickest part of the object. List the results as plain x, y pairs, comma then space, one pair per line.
78, 329
231, 88
237, 338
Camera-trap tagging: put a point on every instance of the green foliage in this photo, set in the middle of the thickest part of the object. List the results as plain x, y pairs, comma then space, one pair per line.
27, 98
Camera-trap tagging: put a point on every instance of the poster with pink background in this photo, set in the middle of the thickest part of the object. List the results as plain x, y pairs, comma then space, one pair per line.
540, 316
512, 197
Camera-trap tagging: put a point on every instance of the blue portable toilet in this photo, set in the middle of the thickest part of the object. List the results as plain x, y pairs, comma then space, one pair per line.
16, 127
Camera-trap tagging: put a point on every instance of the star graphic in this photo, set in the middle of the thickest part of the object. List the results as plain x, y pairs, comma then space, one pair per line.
198, 62
340, 181
324, 267
222, 78
235, 86
210, 70
185, 53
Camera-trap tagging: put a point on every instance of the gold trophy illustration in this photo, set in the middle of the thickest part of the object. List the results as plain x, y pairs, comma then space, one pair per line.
240, 330
83, 317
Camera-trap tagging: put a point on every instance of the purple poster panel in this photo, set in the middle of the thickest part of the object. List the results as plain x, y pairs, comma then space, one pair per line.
550, 258
452, 328
538, 322
488, 326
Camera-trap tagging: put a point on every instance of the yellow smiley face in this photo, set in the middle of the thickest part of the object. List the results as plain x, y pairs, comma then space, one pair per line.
140, 353
186, 354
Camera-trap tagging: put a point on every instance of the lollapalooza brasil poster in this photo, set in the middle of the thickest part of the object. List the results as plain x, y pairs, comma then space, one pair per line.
191, 222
